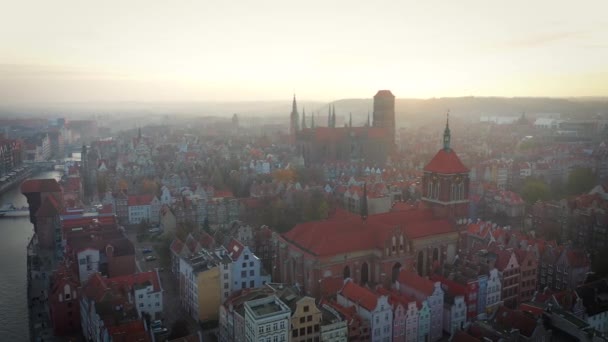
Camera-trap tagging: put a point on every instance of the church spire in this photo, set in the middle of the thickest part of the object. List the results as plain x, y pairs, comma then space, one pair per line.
367, 123
363, 203
333, 117
303, 117
329, 116
446, 133
312, 120
294, 105
350, 119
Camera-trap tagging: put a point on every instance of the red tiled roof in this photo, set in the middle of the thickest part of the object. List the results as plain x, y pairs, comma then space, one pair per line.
360, 295
330, 286
515, 319
413, 280
140, 200
176, 246
96, 287
461, 336
446, 162
223, 194
235, 248
40, 185
129, 331
346, 234
72, 184
577, 258
502, 259
48, 208
131, 280
384, 92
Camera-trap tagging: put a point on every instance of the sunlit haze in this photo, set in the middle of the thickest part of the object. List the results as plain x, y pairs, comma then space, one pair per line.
57, 51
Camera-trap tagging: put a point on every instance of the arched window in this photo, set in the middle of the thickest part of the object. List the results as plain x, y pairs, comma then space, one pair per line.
461, 191
364, 273
346, 272
395, 272
420, 263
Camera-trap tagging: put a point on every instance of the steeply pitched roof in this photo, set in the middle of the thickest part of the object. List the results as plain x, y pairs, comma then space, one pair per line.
122, 246
515, 319
413, 280
347, 233
140, 200
40, 185
360, 295
235, 248
446, 162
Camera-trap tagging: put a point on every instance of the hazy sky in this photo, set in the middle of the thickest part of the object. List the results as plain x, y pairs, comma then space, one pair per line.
79, 50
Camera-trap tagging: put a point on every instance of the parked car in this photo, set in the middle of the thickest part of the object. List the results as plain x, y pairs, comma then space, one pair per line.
150, 258
154, 230
146, 250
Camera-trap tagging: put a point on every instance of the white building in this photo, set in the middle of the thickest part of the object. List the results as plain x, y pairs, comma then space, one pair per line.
334, 328
246, 268
267, 319
88, 263
148, 292
372, 307
493, 292
454, 314
423, 289
143, 208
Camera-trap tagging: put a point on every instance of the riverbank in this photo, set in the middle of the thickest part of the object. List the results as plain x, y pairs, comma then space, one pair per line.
16, 179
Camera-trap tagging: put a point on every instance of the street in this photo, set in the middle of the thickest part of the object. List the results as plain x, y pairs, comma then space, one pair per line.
172, 310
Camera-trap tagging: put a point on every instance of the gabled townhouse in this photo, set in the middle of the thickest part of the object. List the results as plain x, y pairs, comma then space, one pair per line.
571, 268
493, 293
168, 222
372, 307
423, 289
454, 313
306, 318
508, 269
528, 328
399, 313
64, 305
405, 315
108, 312
528, 264
334, 328
110, 253
358, 328
594, 296
247, 271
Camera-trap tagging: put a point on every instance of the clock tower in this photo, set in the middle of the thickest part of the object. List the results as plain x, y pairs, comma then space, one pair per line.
445, 183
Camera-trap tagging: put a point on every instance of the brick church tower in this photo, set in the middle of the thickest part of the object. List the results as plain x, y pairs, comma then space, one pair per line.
445, 183
293, 121
384, 113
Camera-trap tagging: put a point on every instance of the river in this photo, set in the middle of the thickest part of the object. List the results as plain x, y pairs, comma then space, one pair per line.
16, 233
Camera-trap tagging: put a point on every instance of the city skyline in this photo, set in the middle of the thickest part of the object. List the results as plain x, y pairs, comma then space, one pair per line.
140, 51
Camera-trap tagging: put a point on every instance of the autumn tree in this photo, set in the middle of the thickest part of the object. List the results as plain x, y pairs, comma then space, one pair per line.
534, 190
284, 175
580, 180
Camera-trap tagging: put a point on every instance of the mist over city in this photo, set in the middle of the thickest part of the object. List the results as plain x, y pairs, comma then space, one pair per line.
322, 171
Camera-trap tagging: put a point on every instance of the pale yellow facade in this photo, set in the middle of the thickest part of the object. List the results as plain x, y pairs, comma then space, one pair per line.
306, 321
209, 294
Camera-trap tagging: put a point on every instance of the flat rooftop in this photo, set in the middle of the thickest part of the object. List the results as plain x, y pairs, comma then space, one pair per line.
266, 308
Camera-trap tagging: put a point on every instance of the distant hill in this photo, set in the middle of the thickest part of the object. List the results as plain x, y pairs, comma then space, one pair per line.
406, 109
